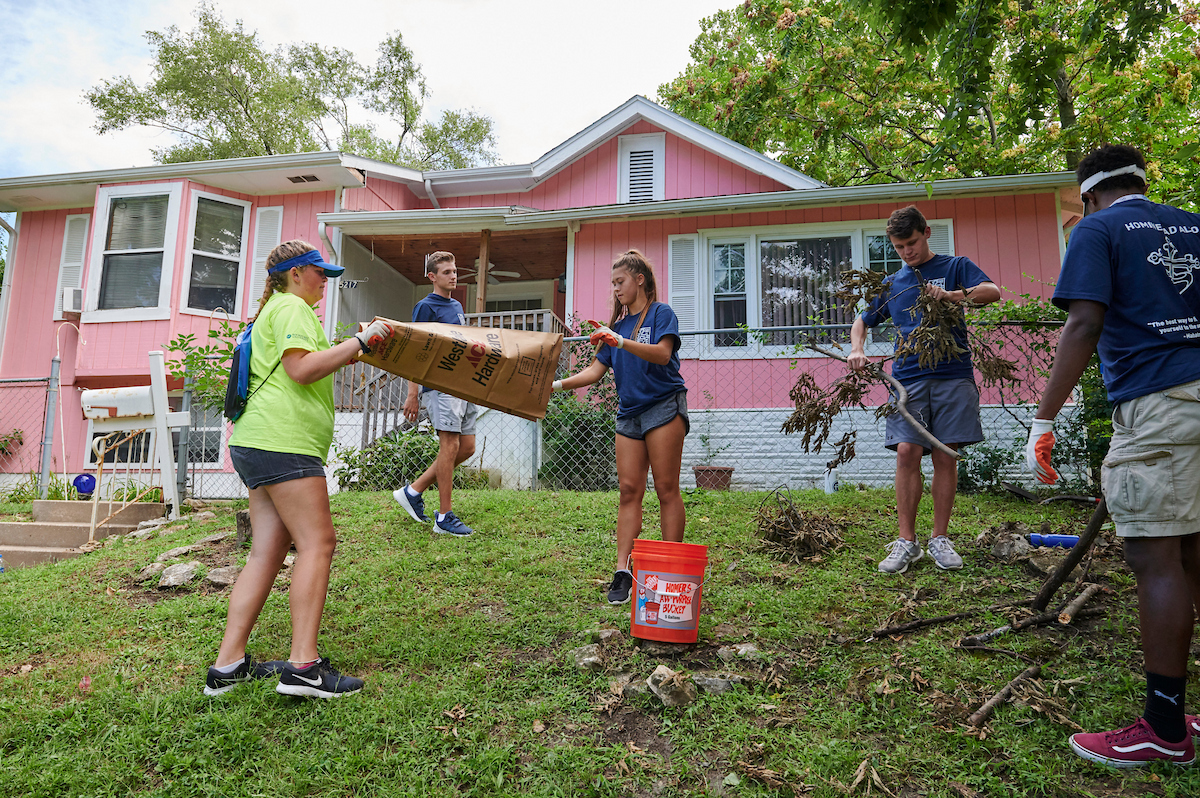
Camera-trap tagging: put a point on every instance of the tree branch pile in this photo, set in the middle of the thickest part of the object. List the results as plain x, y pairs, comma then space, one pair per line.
793, 535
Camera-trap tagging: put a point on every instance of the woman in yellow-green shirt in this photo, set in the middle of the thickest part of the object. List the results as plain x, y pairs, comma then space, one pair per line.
279, 447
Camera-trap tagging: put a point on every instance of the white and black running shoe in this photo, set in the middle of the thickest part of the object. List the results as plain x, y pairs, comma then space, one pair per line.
217, 683
319, 680
618, 591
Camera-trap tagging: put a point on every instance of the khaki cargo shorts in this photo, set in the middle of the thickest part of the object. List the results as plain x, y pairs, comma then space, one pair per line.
1151, 475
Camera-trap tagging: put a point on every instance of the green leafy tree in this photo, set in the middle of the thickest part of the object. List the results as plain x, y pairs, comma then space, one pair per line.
225, 95
874, 92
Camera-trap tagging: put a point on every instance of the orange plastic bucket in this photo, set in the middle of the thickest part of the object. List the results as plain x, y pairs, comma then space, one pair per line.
667, 581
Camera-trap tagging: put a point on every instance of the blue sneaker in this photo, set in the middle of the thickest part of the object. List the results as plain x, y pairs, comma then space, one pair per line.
414, 505
451, 525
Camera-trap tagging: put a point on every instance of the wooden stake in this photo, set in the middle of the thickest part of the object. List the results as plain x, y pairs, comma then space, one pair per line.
984, 712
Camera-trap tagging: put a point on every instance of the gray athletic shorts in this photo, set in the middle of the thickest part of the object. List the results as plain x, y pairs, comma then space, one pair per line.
1151, 475
948, 408
657, 416
449, 413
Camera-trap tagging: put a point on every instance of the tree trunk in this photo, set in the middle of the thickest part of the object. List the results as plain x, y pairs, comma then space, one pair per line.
1066, 117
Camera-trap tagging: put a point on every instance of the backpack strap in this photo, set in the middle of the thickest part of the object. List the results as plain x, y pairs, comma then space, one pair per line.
264, 382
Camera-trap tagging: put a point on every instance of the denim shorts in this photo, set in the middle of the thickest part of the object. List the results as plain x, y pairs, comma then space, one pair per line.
258, 467
1152, 469
948, 408
448, 413
657, 416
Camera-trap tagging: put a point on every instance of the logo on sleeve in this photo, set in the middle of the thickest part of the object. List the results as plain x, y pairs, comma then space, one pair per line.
1180, 268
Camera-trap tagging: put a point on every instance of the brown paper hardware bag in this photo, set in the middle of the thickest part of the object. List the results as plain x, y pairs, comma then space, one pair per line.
507, 370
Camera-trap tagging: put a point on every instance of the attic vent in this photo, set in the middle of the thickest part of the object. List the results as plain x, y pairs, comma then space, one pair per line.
641, 176
641, 161
304, 178
23, 198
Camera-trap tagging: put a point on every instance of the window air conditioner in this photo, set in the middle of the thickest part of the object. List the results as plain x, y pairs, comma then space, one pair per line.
72, 300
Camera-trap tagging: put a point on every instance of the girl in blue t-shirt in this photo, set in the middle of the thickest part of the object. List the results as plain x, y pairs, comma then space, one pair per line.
641, 345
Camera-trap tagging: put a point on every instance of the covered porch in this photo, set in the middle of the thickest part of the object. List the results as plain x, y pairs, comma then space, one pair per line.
524, 287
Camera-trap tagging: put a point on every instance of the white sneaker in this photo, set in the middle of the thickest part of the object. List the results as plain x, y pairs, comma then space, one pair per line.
901, 554
943, 554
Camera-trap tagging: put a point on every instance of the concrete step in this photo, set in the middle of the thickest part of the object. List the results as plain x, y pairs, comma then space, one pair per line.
80, 512
23, 556
43, 533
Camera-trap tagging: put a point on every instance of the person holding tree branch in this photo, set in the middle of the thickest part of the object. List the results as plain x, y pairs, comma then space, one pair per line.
1127, 284
641, 345
943, 396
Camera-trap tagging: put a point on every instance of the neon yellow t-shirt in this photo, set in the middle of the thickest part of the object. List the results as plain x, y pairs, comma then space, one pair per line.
285, 416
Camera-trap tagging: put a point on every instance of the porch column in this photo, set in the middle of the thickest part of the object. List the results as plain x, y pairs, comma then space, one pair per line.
481, 273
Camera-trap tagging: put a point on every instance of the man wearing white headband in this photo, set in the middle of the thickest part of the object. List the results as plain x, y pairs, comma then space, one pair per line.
1128, 284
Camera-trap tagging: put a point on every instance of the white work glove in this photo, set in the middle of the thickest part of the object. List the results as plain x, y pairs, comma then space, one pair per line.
374, 333
1038, 449
556, 385
602, 334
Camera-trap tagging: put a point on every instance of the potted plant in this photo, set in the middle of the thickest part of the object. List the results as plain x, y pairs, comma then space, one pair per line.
708, 475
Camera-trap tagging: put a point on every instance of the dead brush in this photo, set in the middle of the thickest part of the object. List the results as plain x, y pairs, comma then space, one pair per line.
816, 408
939, 337
793, 535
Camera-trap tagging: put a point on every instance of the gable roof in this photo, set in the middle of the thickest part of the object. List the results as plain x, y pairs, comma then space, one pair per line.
503, 179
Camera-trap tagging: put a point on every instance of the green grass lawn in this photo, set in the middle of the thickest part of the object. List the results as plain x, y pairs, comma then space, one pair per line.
470, 691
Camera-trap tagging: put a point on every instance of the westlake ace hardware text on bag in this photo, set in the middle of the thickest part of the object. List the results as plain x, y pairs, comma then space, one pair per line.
507, 370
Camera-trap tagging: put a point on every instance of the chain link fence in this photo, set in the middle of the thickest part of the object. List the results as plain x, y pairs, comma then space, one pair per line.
22, 421
739, 396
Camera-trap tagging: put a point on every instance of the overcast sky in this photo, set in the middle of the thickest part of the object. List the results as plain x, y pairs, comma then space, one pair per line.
542, 69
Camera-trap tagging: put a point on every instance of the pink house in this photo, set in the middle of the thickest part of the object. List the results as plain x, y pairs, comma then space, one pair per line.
142, 255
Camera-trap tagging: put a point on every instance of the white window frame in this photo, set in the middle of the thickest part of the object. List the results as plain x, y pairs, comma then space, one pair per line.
857, 231
234, 313
656, 142
226, 430
104, 197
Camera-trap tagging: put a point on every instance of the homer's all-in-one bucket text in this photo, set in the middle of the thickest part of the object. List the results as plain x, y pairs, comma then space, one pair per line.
667, 581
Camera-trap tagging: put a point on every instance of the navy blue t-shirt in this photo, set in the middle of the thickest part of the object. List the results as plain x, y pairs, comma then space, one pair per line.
900, 295
435, 307
640, 383
1141, 260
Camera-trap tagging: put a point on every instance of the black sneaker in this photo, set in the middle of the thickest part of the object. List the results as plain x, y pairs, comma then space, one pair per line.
319, 680
618, 591
217, 683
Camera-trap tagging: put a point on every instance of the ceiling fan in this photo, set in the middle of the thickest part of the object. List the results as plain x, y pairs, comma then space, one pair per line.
492, 273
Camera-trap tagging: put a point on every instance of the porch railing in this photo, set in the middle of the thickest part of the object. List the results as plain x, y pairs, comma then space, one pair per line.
380, 396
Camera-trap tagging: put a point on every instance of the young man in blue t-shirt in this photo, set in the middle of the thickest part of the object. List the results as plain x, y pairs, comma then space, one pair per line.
453, 418
943, 397
1128, 284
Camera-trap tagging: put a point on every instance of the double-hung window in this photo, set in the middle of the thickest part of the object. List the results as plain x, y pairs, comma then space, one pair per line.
216, 258
133, 250
784, 277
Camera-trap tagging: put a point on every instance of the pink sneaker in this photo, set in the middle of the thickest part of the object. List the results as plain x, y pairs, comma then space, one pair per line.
1133, 746
1193, 724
